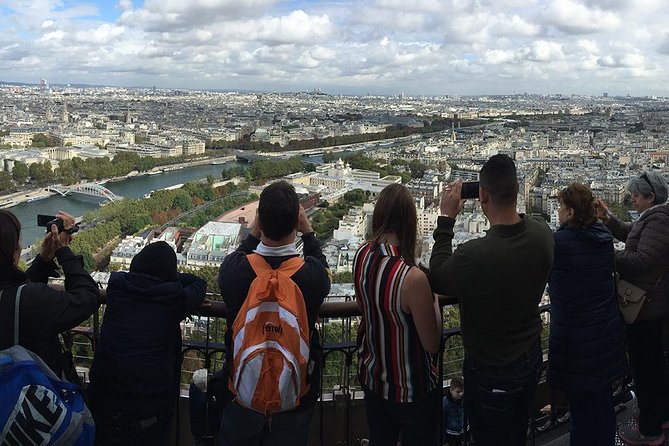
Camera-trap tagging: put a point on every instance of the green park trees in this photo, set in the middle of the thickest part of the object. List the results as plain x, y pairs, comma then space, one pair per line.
20, 172
41, 173
263, 169
6, 182
128, 216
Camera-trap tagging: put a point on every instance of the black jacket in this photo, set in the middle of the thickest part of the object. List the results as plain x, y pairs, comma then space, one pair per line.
136, 366
587, 346
645, 258
499, 280
44, 311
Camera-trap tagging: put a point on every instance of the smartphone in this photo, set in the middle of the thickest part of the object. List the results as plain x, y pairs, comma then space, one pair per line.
48, 220
470, 190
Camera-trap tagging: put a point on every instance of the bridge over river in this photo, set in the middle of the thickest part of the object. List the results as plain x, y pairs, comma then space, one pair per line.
90, 189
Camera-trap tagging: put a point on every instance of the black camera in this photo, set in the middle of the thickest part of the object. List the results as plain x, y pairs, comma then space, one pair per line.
470, 190
48, 220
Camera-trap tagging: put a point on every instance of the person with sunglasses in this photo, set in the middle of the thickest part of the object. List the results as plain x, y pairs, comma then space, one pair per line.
644, 262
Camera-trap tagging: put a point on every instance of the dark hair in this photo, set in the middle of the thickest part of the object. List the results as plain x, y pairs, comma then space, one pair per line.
499, 178
10, 233
395, 212
579, 198
457, 383
278, 210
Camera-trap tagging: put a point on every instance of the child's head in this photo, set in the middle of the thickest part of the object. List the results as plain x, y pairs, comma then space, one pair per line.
156, 259
457, 388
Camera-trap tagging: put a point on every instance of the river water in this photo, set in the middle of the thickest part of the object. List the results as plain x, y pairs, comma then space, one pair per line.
133, 187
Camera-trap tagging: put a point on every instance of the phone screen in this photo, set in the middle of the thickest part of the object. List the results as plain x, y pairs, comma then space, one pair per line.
470, 190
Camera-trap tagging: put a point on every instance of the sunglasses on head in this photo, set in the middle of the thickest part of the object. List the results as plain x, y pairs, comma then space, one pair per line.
644, 176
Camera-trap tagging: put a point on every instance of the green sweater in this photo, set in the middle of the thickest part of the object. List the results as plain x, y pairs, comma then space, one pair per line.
499, 280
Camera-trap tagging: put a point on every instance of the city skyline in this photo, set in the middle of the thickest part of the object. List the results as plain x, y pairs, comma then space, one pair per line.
424, 47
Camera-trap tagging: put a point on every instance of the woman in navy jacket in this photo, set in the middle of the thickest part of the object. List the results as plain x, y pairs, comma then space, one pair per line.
586, 343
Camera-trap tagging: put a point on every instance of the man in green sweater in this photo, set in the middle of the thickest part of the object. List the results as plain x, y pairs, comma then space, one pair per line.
499, 280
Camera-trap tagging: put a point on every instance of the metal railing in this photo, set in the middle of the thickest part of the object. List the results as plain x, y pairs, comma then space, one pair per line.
337, 326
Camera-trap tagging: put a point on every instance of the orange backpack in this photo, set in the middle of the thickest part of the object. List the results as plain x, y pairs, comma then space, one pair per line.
271, 340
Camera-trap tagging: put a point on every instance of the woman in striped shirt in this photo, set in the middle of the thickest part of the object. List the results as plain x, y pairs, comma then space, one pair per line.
399, 330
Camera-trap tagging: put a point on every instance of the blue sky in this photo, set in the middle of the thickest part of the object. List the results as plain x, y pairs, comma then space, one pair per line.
430, 47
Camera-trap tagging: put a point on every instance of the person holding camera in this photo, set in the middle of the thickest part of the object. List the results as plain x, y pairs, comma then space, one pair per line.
43, 312
499, 280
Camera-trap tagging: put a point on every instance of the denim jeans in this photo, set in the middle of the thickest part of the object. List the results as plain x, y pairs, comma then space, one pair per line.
498, 398
417, 422
245, 427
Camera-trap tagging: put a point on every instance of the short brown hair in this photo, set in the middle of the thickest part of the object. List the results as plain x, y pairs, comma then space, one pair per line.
395, 211
579, 198
457, 383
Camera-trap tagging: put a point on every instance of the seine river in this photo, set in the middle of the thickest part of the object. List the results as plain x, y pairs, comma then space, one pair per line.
134, 187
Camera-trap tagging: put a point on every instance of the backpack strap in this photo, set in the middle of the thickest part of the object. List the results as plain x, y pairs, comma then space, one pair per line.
287, 267
17, 304
12, 334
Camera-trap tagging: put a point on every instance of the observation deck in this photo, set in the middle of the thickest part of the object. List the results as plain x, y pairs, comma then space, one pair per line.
339, 417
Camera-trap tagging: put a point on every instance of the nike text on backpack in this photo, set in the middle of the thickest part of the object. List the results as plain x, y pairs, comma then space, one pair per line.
37, 408
271, 340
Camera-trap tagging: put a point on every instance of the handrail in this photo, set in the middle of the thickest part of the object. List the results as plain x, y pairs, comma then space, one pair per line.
347, 308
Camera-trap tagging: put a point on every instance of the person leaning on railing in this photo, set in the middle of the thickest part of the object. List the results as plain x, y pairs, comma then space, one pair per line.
399, 329
644, 262
44, 312
586, 343
136, 369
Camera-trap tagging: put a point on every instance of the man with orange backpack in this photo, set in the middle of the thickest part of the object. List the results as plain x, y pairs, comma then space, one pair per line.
272, 297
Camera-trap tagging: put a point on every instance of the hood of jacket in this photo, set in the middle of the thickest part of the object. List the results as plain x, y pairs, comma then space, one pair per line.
143, 286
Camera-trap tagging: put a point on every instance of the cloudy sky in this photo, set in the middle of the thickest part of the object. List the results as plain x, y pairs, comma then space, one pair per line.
431, 47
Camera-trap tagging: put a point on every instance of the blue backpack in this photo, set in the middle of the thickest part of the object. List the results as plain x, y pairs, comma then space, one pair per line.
36, 407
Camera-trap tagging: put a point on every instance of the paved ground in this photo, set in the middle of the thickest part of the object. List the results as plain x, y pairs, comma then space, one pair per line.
624, 418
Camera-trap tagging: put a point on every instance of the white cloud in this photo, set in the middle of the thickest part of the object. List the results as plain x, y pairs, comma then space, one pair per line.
125, 5
573, 17
497, 57
419, 46
101, 35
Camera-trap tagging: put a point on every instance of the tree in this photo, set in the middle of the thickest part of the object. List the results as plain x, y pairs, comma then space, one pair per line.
345, 277
182, 201
20, 172
40, 140
417, 168
89, 261
41, 173
5, 181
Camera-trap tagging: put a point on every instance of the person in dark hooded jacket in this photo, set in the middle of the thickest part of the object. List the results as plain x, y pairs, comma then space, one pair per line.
136, 370
586, 344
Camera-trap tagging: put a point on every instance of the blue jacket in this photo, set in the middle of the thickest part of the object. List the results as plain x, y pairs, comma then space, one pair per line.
135, 371
454, 415
586, 343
